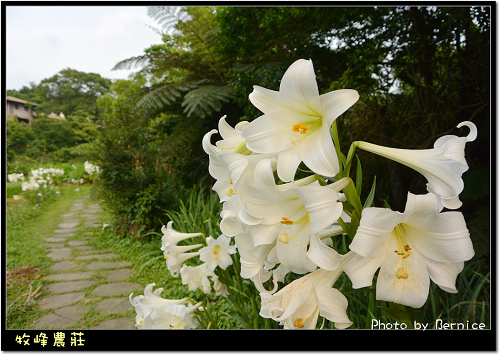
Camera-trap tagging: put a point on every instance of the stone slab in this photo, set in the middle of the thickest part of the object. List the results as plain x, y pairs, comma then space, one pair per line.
66, 230
69, 286
52, 245
117, 323
97, 256
58, 254
69, 276
86, 249
77, 242
116, 289
62, 266
98, 265
54, 240
114, 306
59, 301
63, 235
69, 214
67, 225
119, 274
61, 317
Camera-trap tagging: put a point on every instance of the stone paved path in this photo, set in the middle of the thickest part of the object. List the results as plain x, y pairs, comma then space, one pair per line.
85, 284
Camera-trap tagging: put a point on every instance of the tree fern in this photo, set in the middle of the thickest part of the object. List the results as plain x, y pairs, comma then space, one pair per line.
168, 16
161, 96
207, 99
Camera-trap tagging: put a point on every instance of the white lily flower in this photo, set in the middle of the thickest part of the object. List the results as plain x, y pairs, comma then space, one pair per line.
299, 304
296, 122
196, 277
15, 177
442, 165
175, 255
217, 252
231, 142
219, 288
409, 248
172, 237
155, 312
252, 257
288, 214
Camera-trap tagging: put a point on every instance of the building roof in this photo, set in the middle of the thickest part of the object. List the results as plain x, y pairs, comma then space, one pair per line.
15, 99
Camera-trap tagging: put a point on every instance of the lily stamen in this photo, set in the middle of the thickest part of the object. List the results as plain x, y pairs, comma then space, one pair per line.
286, 221
300, 128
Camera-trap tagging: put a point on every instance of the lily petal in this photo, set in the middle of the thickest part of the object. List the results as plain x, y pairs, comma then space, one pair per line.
444, 275
413, 290
333, 305
322, 255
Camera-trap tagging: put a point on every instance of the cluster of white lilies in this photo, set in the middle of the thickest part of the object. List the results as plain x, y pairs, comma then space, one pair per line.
280, 223
38, 177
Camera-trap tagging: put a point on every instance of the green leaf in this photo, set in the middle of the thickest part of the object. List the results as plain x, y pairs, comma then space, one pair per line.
359, 177
371, 195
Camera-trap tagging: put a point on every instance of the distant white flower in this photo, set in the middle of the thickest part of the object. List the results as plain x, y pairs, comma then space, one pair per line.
15, 177
217, 252
16, 197
155, 312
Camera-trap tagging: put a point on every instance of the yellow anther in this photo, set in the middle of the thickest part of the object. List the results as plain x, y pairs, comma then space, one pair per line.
298, 323
401, 274
230, 192
300, 128
286, 221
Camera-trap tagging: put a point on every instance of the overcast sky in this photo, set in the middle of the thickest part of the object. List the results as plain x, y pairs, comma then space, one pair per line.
43, 40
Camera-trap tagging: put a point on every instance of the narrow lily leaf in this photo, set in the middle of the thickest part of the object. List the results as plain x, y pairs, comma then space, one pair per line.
371, 195
359, 177
353, 197
345, 227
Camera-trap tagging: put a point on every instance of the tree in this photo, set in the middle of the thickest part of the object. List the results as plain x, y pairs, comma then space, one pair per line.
71, 90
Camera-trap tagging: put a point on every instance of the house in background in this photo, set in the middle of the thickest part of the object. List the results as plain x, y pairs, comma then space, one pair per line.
21, 109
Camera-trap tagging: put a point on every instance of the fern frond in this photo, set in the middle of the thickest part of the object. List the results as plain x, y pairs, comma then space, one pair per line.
205, 100
134, 62
163, 95
168, 16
